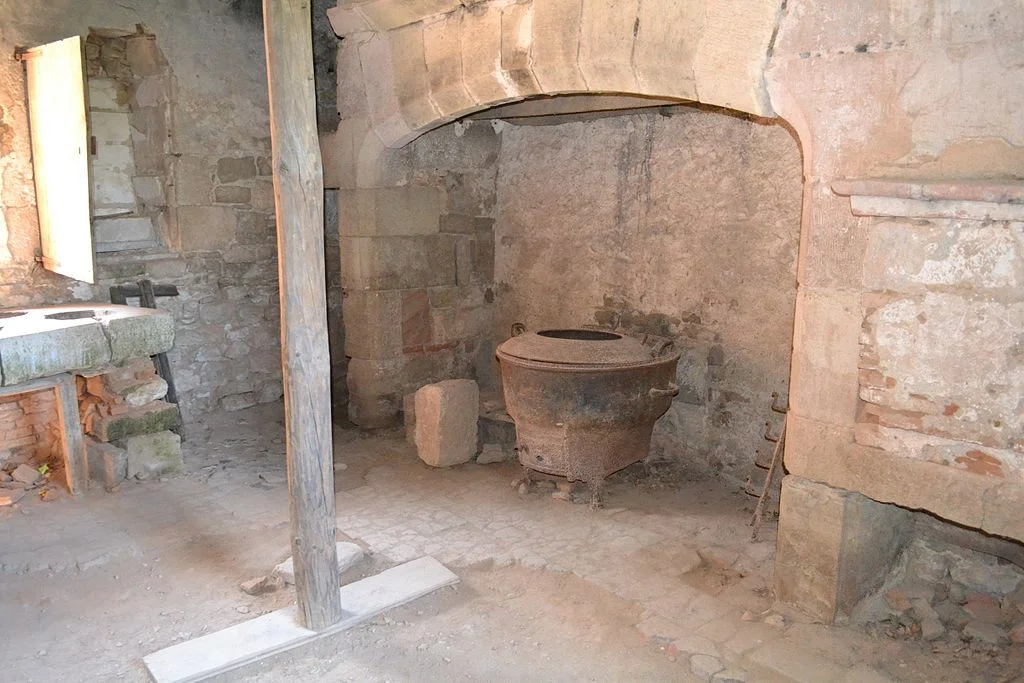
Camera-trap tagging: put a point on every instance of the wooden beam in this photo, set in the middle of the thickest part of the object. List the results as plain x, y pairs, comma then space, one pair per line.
298, 197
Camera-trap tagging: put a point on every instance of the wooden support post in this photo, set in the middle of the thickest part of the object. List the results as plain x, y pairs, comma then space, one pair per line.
298, 196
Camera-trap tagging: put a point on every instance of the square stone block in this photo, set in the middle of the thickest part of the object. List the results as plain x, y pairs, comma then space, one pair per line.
446, 422
834, 547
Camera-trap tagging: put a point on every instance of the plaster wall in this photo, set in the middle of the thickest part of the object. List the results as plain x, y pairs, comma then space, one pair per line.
678, 222
217, 231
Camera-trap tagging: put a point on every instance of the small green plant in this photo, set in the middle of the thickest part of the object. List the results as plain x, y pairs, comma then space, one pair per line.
43, 469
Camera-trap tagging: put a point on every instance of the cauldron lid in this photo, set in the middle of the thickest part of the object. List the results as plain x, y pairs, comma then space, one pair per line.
584, 347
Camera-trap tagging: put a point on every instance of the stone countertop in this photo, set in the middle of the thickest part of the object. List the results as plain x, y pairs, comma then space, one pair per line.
48, 340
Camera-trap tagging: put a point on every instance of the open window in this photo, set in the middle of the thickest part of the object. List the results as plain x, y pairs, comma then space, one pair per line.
60, 162
99, 120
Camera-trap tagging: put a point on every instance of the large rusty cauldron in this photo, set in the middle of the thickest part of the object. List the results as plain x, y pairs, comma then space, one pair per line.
585, 401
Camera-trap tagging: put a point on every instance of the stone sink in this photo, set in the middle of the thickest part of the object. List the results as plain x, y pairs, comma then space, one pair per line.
49, 340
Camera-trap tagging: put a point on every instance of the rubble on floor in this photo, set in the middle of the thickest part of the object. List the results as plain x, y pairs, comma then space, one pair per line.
23, 471
954, 600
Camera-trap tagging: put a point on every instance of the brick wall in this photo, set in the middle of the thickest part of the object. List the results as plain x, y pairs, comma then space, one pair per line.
28, 428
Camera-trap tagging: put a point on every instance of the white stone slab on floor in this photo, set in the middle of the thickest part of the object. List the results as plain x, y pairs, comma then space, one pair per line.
279, 631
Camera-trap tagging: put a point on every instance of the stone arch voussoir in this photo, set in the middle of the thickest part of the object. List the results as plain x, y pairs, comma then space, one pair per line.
425, 63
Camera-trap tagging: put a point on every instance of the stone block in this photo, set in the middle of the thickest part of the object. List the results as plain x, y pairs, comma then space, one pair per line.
349, 554
193, 180
516, 38
447, 326
443, 53
606, 45
826, 355
117, 231
263, 195
146, 392
483, 250
555, 45
834, 241
666, 43
153, 455
733, 53
480, 41
705, 666
26, 474
232, 194
206, 228
416, 320
81, 344
155, 417
378, 74
150, 190
446, 422
465, 260
139, 336
375, 391
337, 160
233, 169
384, 15
827, 453
391, 211
397, 262
834, 547
373, 323
346, 21
410, 71
107, 463
351, 88
457, 224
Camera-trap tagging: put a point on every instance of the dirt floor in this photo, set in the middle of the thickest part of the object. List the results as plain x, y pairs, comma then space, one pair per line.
662, 585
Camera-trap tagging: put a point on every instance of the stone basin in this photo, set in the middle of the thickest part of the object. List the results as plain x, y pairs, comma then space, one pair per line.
48, 340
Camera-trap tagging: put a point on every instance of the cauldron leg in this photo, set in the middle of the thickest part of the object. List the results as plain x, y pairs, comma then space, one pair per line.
597, 494
524, 481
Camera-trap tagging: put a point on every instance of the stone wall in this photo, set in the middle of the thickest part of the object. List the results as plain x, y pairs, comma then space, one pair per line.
417, 266
677, 222
214, 202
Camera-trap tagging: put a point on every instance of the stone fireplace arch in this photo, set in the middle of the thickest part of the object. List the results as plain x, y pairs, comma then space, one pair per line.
894, 147
407, 68
423, 68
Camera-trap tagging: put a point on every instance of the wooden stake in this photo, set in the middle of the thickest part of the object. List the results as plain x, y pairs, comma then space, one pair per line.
780, 447
298, 196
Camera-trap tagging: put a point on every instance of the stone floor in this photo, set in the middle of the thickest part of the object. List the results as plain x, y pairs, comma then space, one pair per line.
107, 578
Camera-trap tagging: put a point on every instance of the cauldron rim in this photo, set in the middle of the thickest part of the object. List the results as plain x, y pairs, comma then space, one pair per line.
584, 349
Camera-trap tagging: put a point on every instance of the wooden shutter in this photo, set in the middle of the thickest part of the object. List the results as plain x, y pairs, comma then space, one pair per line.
60, 162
